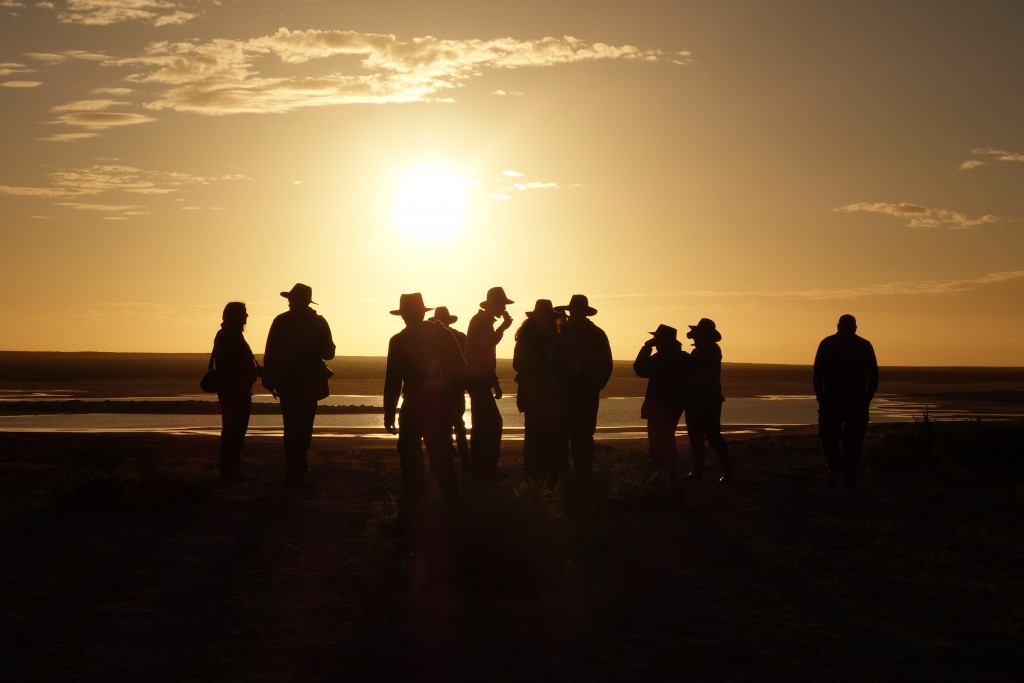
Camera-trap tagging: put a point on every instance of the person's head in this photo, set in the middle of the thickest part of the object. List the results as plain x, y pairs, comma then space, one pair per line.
579, 306
704, 333
299, 296
847, 324
443, 317
234, 316
496, 301
664, 338
411, 308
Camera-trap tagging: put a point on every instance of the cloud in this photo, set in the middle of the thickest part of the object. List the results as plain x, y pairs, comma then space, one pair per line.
112, 91
102, 120
21, 84
990, 154
68, 137
109, 208
918, 216
87, 105
507, 93
47, 57
103, 178
899, 288
107, 12
222, 77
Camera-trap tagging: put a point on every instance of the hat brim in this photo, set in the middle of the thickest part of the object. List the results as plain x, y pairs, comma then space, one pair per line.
586, 310
713, 335
288, 295
423, 310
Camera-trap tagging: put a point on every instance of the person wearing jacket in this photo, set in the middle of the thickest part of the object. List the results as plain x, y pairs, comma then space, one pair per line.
584, 359
539, 397
665, 396
845, 380
704, 400
237, 371
482, 340
445, 319
424, 363
298, 343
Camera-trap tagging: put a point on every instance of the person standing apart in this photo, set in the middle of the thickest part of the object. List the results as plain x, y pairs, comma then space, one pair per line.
665, 397
704, 400
585, 364
237, 370
424, 363
298, 343
845, 380
445, 319
539, 397
482, 340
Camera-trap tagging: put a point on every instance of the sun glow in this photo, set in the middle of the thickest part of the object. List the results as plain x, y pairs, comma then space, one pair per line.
431, 201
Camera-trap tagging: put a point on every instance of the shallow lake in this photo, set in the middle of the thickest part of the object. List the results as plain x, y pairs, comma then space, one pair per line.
617, 417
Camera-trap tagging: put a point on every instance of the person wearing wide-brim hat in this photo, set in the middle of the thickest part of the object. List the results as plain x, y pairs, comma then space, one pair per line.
665, 397
584, 359
445, 319
298, 343
539, 397
704, 400
482, 340
424, 364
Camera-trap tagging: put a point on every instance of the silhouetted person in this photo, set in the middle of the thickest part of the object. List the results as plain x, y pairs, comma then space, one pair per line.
298, 344
424, 363
704, 399
845, 381
539, 397
445, 319
666, 373
237, 370
482, 340
585, 365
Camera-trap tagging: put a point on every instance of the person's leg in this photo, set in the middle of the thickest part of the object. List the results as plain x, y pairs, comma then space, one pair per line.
583, 424
410, 455
441, 452
713, 434
855, 426
695, 434
461, 440
235, 410
485, 439
830, 430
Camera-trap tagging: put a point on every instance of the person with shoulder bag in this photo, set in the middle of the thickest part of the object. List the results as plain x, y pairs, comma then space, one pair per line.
235, 369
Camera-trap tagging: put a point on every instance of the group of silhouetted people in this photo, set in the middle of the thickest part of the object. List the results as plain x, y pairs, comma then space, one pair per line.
293, 371
562, 362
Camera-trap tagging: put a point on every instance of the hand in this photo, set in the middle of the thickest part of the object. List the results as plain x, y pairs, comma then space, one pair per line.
497, 391
389, 427
649, 344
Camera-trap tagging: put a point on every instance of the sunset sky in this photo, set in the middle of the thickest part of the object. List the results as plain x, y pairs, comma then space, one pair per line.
767, 164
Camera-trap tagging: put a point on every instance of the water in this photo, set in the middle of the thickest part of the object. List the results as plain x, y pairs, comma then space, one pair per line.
617, 417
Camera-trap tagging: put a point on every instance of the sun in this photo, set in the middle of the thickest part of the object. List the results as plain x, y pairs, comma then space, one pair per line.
431, 201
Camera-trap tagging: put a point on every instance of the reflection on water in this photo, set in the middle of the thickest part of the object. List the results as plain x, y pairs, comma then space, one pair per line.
619, 417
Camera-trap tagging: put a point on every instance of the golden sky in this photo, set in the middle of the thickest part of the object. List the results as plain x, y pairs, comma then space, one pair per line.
770, 165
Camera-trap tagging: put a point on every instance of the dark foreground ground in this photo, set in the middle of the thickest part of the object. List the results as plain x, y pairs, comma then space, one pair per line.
122, 557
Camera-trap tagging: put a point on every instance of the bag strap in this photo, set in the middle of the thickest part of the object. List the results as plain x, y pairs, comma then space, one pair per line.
210, 366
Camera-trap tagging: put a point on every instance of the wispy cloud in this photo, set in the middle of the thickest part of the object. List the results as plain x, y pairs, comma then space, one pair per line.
68, 137
104, 119
887, 289
108, 178
918, 216
109, 208
988, 154
106, 12
223, 77
87, 105
21, 84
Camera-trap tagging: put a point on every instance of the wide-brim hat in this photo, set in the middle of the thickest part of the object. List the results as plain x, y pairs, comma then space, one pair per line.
299, 292
664, 333
543, 308
578, 303
411, 303
442, 315
496, 296
704, 328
